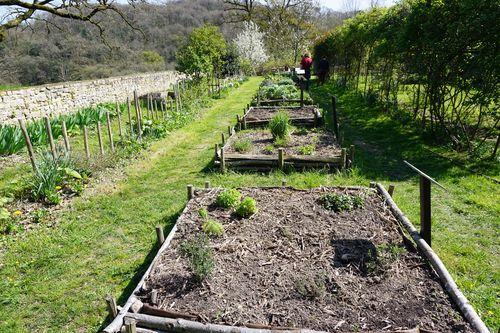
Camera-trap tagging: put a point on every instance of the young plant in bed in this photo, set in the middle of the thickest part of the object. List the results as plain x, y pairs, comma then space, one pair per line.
246, 208
280, 126
243, 145
306, 149
228, 198
200, 256
341, 202
268, 149
213, 228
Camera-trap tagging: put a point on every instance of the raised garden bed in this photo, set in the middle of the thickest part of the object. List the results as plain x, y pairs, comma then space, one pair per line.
316, 148
298, 265
308, 115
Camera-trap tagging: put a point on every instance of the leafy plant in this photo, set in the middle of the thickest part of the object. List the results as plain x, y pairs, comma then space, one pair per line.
341, 202
200, 256
306, 149
280, 126
247, 207
243, 145
213, 228
228, 198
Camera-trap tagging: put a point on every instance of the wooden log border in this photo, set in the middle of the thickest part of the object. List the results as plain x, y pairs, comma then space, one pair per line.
314, 120
178, 325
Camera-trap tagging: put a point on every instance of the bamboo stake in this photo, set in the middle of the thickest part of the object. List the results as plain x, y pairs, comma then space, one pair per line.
118, 114
130, 118
27, 140
65, 136
99, 136
48, 127
110, 132
86, 142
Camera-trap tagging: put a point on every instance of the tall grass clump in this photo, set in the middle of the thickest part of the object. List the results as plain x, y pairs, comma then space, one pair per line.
280, 126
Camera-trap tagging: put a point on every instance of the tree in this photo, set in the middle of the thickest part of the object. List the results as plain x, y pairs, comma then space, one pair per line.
202, 52
20, 12
250, 44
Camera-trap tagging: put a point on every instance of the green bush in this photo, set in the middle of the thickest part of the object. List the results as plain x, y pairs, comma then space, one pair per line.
213, 228
247, 207
280, 125
200, 256
228, 198
341, 202
243, 145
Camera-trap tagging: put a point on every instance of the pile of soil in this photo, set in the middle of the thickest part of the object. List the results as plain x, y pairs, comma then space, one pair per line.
323, 141
297, 264
268, 113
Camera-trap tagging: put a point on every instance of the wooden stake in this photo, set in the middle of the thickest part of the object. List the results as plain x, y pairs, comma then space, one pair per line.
160, 235
343, 158
351, 155
118, 114
65, 136
27, 140
110, 132
425, 209
112, 308
138, 116
222, 161
301, 95
283, 183
155, 105
86, 142
207, 184
190, 192
148, 105
48, 127
130, 118
391, 190
229, 131
216, 150
223, 139
130, 326
334, 117
99, 136
281, 159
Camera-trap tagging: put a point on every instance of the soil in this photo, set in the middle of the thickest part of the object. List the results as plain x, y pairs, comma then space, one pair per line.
296, 264
323, 141
268, 113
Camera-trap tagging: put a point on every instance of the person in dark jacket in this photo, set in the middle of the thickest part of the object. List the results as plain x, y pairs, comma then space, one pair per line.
323, 70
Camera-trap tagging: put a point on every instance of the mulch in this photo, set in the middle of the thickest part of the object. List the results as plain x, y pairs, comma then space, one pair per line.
268, 113
296, 264
323, 141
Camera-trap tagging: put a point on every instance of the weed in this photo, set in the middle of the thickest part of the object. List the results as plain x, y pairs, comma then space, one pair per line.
247, 207
213, 228
280, 125
40, 215
228, 198
301, 131
200, 256
306, 149
268, 149
341, 202
311, 287
283, 142
243, 145
203, 213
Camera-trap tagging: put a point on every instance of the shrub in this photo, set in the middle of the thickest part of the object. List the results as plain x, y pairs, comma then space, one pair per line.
341, 202
228, 198
280, 125
213, 228
200, 257
243, 145
306, 149
247, 207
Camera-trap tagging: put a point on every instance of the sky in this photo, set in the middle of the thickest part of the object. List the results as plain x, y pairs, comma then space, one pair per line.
361, 4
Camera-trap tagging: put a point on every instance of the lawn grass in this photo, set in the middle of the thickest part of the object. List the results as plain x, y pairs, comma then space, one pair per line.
55, 279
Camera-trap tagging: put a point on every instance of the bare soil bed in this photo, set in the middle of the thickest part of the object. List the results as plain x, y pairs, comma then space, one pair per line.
322, 141
257, 113
296, 264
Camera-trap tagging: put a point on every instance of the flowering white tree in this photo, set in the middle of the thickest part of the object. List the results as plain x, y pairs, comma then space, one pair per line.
250, 44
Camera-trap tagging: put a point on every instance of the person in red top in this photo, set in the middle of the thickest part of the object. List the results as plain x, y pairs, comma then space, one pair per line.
306, 65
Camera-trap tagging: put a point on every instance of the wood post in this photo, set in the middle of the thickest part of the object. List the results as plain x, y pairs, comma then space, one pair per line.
391, 190
190, 192
343, 158
110, 132
425, 209
155, 108
130, 118
138, 116
207, 184
119, 116
27, 140
281, 158
216, 150
283, 183
148, 105
65, 136
334, 117
99, 136
112, 308
48, 127
301, 95
229, 131
244, 119
222, 161
130, 326
86, 142
223, 139
351, 155
160, 235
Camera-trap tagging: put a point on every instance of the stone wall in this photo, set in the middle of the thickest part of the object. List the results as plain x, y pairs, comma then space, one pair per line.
68, 97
